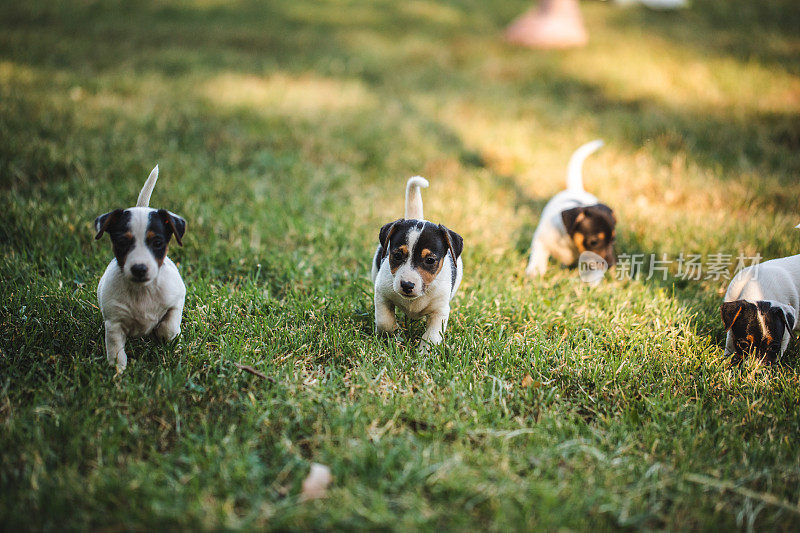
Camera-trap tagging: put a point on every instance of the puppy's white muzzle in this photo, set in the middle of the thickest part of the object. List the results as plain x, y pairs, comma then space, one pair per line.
408, 283
140, 266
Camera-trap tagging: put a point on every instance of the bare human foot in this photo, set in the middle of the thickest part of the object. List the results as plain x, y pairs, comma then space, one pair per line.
554, 24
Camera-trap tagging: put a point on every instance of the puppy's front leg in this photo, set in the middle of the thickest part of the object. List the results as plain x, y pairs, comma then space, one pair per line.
170, 325
437, 323
385, 319
115, 345
537, 264
730, 346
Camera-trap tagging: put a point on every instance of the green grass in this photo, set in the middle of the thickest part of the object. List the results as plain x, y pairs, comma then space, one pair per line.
284, 132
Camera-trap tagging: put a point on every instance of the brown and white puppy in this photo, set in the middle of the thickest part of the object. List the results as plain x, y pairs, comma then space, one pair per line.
141, 290
417, 267
573, 222
761, 308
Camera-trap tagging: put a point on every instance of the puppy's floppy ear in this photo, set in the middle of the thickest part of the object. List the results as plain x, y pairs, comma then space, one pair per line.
455, 243
572, 217
175, 223
386, 233
730, 312
102, 222
602, 210
783, 316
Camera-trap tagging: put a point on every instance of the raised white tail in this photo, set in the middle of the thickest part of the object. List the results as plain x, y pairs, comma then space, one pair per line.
414, 197
147, 190
575, 167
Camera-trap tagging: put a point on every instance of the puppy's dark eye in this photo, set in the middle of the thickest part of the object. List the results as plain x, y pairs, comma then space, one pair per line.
157, 242
430, 260
398, 255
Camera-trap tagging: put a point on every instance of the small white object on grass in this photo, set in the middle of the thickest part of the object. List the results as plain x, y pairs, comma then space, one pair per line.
315, 485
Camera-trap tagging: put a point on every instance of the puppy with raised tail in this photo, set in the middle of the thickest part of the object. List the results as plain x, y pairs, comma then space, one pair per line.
417, 267
573, 222
141, 291
761, 308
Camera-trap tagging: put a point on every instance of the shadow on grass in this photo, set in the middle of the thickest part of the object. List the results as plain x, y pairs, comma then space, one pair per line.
741, 29
139, 38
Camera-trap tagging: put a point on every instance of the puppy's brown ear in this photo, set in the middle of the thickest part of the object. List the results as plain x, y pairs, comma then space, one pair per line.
455, 243
102, 222
386, 233
175, 223
572, 218
730, 312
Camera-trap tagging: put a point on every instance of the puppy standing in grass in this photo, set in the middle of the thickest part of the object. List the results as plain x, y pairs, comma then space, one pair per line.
761, 307
417, 267
573, 222
141, 290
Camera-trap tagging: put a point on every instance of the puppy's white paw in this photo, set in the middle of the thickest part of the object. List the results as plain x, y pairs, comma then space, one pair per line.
166, 333
535, 271
427, 343
121, 363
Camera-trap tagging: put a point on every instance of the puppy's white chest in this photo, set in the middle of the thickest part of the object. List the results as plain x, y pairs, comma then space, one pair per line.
139, 309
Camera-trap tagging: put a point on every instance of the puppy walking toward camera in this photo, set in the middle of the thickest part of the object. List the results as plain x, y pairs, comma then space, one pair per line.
761, 308
417, 267
573, 222
141, 291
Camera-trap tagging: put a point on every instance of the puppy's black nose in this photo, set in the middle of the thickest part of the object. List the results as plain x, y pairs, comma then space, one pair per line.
139, 271
407, 286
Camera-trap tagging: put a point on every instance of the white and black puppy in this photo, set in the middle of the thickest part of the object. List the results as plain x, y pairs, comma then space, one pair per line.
417, 267
761, 308
573, 222
141, 291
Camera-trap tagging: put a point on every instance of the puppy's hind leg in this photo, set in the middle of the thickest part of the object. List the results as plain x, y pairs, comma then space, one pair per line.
537, 264
115, 346
385, 318
170, 325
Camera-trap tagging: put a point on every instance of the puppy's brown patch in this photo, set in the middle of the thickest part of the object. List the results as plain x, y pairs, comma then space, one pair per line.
402, 248
425, 253
426, 273
128, 235
150, 234
578, 239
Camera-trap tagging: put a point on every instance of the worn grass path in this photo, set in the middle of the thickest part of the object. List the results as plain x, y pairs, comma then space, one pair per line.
284, 132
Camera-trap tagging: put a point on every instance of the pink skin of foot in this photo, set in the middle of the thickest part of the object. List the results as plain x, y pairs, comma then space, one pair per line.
554, 24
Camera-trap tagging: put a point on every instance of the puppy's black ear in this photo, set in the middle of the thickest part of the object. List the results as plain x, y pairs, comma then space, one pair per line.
175, 223
572, 217
386, 233
602, 210
455, 243
102, 222
730, 312
784, 317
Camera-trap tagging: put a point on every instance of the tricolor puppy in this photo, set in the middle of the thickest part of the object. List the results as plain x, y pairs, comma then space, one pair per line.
141, 291
573, 222
761, 308
417, 267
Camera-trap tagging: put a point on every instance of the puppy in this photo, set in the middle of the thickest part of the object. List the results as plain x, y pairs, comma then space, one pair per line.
141, 291
760, 309
417, 267
573, 222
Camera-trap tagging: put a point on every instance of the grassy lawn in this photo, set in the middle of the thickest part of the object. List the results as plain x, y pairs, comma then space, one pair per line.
285, 131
